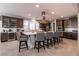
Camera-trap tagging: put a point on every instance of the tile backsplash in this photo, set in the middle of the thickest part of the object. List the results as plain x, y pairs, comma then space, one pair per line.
70, 29
7, 29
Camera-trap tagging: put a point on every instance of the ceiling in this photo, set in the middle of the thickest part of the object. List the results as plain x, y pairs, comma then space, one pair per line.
24, 9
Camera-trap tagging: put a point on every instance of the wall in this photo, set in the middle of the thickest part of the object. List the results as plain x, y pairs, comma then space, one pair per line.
54, 21
78, 26
0, 26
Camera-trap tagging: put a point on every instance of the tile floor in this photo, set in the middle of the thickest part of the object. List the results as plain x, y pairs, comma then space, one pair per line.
67, 48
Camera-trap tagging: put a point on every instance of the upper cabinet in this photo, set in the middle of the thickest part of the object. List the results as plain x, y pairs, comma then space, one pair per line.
60, 25
73, 22
5, 22
59, 22
12, 22
64, 23
20, 23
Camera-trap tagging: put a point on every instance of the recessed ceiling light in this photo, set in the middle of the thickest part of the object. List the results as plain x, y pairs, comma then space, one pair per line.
37, 6
53, 12
61, 16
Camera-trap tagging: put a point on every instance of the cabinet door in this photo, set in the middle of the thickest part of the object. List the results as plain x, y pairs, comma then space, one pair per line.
13, 23
5, 22
65, 34
59, 22
74, 36
69, 35
65, 23
60, 25
74, 23
4, 37
20, 23
11, 36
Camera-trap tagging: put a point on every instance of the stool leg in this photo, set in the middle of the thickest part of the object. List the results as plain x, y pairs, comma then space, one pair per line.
19, 46
26, 45
54, 41
35, 45
57, 40
38, 46
47, 43
51, 42
44, 44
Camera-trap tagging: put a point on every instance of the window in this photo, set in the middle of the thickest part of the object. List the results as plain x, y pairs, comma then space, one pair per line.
26, 25
31, 25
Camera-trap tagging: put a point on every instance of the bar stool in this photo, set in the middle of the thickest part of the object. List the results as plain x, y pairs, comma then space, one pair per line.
56, 38
23, 39
40, 41
60, 33
48, 38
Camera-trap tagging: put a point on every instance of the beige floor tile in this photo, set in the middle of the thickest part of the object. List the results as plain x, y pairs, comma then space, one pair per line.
67, 48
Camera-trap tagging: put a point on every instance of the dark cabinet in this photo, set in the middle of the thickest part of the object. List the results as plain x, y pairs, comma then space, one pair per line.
74, 21
70, 35
4, 37
20, 23
12, 22
66, 23
60, 25
59, 22
5, 21
67, 35
11, 35
74, 36
70, 22
7, 37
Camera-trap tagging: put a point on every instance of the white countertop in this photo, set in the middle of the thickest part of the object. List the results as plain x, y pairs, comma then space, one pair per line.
30, 33
7, 32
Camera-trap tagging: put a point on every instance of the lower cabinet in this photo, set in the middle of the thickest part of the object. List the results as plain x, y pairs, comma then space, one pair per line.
7, 37
70, 35
11, 35
4, 37
74, 36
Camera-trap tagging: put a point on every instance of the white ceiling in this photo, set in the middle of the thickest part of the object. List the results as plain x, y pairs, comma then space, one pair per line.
21, 9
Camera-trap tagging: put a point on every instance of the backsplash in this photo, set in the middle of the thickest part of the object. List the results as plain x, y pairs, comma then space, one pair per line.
70, 29
9, 29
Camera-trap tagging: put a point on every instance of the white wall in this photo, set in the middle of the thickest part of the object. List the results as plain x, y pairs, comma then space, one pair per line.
78, 26
54, 21
0, 25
